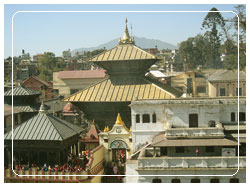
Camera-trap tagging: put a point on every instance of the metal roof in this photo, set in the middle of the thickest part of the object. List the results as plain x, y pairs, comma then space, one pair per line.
44, 126
8, 110
25, 108
123, 52
161, 141
21, 91
122, 89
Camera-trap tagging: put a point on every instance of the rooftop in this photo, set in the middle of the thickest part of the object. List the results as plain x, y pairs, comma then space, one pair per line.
227, 75
123, 89
44, 126
22, 91
86, 74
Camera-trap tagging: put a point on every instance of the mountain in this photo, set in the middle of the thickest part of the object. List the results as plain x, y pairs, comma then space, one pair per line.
140, 42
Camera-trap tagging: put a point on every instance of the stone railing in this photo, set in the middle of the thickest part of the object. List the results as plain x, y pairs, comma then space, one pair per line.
190, 162
195, 132
40, 175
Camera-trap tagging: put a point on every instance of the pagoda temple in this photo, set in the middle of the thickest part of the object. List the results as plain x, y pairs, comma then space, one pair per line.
126, 65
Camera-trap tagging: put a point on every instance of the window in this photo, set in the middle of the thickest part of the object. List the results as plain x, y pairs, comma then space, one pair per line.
234, 180
240, 91
209, 149
195, 180
137, 118
175, 181
193, 120
189, 85
145, 118
242, 116
222, 92
201, 89
156, 181
214, 181
154, 118
232, 116
164, 151
179, 149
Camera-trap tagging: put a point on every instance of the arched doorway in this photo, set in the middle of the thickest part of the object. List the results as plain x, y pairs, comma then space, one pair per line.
119, 149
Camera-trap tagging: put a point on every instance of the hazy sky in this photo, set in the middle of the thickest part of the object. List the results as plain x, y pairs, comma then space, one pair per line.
39, 32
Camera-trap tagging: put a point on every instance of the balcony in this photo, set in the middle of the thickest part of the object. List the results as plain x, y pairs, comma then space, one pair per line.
190, 162
173, 133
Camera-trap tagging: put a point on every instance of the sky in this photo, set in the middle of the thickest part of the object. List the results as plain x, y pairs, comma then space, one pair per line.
39, 32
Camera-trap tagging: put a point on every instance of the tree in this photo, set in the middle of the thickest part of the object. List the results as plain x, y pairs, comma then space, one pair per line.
47, 64
192, 52
214, 22
231, 46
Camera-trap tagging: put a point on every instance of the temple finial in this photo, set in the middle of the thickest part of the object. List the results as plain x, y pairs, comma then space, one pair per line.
119, 120
126, 38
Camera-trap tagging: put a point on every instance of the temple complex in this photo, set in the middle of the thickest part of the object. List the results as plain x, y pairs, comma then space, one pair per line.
126, 65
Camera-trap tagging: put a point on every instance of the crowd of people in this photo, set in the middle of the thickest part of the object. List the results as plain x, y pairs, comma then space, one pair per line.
74, 164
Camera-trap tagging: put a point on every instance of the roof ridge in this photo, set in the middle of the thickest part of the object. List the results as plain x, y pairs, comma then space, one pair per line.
48, 116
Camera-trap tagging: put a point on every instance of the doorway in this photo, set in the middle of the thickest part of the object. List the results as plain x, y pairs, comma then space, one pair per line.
193, 120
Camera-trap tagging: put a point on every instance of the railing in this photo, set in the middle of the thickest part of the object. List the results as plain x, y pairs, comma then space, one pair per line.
191, 162
39, 175
195, 132
94, 167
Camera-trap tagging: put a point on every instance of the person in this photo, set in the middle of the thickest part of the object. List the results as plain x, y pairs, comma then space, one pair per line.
197, 152
115, 169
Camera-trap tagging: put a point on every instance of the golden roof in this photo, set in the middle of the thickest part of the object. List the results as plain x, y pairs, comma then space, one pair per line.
124, 89
123, 52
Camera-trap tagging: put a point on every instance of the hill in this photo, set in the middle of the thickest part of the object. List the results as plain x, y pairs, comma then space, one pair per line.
140, 42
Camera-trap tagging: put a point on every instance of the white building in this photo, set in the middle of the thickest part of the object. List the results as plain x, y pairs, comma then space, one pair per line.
188, 137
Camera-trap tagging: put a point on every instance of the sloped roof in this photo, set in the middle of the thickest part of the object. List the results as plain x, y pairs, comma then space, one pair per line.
8, 110
122, 89
44, 127
122, 53
227, 75
161, 141
22, 91
86, 74
39, 80
26, 108
92, 135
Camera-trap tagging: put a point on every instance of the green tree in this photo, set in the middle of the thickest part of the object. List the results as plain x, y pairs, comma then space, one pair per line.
47, 65
214, 23
192, 52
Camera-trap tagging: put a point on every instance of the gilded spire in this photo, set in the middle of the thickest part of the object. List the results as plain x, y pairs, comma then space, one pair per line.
119, 120
126, 37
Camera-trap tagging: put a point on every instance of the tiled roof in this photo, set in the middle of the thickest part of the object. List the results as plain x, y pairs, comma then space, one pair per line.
21, 91
227, 75
123, 89
123, 52
39, 80
81, 74
44, 127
